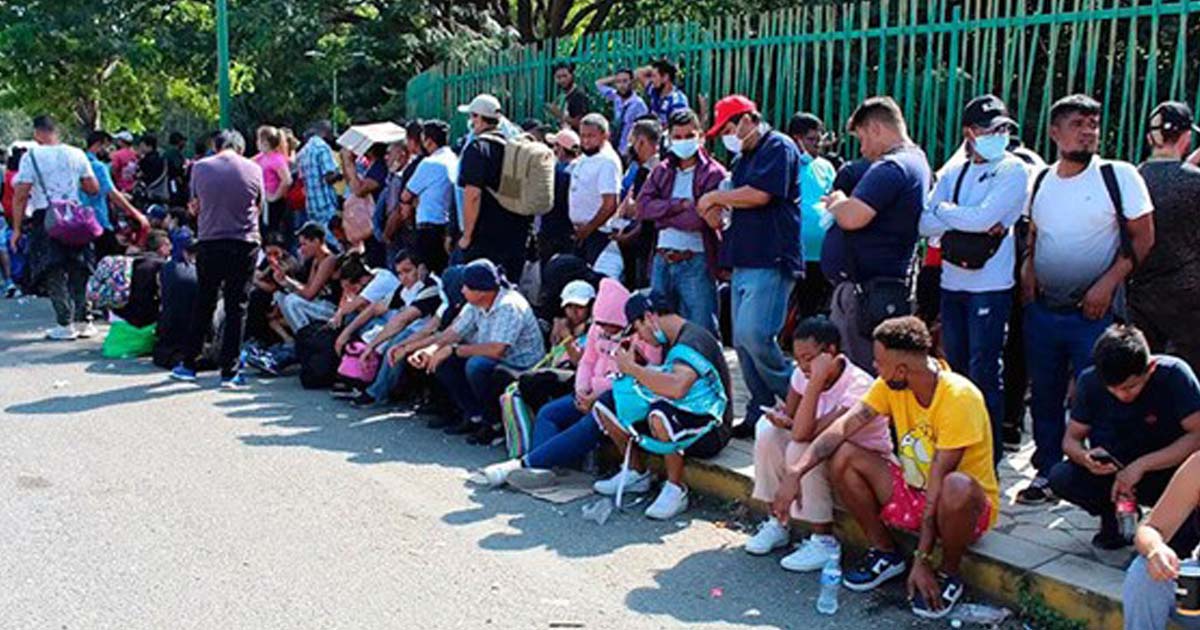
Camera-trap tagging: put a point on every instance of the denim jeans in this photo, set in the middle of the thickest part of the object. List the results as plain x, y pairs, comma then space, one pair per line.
759, 307
1054, 341
973, 326
562, 436
468, 382
1149, 603
389, 376
689, 288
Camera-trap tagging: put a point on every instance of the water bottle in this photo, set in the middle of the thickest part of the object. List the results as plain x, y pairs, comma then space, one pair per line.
831, 581
1127, 517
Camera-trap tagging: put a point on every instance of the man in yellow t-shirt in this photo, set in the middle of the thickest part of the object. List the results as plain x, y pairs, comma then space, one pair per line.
943, 486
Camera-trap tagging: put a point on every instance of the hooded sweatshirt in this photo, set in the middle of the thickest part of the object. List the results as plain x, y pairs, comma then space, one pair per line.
597, 367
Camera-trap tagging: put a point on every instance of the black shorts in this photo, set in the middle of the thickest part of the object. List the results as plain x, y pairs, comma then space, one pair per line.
681, 424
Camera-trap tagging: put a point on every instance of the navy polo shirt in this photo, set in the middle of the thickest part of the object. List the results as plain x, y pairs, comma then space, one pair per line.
1151, 422
895, 186
768, 236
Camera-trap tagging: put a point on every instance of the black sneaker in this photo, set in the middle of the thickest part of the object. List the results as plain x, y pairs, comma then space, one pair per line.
1011, 438
745, 430
876, 568
485, 435
1036, 493
362, 401
342, 389
952, 591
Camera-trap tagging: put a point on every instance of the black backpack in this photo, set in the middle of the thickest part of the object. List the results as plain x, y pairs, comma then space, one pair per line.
318, 360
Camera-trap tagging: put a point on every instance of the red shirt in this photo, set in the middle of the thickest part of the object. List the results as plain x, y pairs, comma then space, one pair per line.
7, 200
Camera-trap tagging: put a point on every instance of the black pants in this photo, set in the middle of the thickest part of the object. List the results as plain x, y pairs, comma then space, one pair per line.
223, 270
591, 247
429, 242
1076, 484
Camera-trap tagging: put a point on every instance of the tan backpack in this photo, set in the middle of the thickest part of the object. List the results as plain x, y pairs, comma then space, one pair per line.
527, 177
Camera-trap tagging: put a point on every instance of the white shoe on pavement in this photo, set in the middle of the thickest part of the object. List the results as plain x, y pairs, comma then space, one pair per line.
497, 474
771, 536
635, 482
812, 554
61, 333
671, 502
86, 330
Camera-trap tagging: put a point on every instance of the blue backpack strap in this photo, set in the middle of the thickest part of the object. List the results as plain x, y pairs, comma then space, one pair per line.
659, 447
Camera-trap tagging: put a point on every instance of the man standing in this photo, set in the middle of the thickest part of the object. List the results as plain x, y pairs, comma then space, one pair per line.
1091, 222
124, 162
627, 105
879, 225
152, 185
488, 230
1164, 291
227, 193
595, 186
48, 172
659, 78
556, 234
816, 180
572, 104
761, 244
97, 153
635, 238
176, 169
432, 185
973, 209
685, 258
320, 173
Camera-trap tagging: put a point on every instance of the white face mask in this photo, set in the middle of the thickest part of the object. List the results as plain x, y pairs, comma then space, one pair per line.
991, 147
685, 149
732, 143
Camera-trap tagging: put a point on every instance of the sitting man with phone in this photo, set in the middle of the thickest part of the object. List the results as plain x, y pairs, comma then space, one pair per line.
1140, 415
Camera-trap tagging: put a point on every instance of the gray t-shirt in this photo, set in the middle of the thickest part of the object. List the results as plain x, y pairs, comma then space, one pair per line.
1174, 188
230, 190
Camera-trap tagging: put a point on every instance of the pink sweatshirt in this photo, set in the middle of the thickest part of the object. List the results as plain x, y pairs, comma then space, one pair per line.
597, 364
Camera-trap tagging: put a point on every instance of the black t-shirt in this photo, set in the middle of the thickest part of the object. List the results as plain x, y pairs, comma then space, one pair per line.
577, 103
702, 341
1149, 423
557, 222
499, 234
178, 285
1174, 188
144, 296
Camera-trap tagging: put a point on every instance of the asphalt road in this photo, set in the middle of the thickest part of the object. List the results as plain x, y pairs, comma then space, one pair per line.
128, 501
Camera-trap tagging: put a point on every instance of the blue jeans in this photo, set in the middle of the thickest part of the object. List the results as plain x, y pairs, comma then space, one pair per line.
1054, 341
689, 288
1149, 603
467, 382
973, 327
562, 436
389, 376
759, 307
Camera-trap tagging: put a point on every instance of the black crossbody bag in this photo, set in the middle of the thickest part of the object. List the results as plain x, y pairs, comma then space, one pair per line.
969, 250
879, 298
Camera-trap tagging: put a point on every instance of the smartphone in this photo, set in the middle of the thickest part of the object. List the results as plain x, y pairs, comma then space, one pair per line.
1105, 458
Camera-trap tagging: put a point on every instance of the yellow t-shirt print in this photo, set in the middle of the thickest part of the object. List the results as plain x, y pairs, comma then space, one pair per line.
916, 455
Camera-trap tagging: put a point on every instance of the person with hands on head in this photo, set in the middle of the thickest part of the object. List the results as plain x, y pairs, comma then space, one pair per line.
627, 105
824, 385
943, 485
1148, 595
1140, 417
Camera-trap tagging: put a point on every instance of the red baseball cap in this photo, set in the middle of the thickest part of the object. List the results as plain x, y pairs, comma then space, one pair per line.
729, 107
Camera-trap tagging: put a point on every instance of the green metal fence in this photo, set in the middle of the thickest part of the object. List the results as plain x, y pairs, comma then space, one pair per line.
931, 55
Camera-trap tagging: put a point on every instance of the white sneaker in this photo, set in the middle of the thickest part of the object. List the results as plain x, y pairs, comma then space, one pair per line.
86, 331
635, 483
771, 536
497, 474
812, 554
671, 502
61, 333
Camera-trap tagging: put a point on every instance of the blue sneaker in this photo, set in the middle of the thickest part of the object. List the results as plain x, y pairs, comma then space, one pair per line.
182, 373
876, 568
235, 382
952, 591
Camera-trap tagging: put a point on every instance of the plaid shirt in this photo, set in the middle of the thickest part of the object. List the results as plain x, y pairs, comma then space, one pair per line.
510, 321
316, 161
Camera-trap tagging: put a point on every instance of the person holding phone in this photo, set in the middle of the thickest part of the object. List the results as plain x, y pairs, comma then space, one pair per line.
824, 385
1140, 417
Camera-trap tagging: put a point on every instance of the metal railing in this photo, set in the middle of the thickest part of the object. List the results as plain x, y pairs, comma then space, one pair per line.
931, 55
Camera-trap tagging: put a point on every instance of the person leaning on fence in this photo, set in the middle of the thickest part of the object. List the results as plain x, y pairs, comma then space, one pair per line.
760, 243
943, 486
571, 106
628, 106
973, 209
662, 93
878, 225
1091, 225
684, 268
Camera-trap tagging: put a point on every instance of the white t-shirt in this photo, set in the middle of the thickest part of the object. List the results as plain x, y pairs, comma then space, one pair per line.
991, 193
592, 177
62, 168
1077, 232
381, 287
675, 238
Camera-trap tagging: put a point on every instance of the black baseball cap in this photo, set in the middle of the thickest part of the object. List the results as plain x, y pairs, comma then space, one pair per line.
1172, 116
642, 302
986, 112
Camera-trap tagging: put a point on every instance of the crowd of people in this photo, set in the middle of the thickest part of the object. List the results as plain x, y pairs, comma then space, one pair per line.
887, 319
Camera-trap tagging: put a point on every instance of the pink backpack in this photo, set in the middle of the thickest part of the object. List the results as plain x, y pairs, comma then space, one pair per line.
358, 366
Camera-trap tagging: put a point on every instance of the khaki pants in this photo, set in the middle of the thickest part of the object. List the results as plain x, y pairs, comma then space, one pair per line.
774, 451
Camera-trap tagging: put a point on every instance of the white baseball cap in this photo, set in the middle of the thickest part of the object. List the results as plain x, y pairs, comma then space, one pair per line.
579, 293
484, 105
124, 136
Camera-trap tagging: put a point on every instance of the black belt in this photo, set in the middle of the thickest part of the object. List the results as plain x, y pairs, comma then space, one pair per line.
431, 226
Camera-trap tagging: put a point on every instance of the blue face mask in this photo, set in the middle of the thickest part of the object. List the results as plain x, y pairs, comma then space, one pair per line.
660, 336
685, 149
991, 147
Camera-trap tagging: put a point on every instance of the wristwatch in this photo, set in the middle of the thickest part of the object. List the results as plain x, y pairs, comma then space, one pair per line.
921, 556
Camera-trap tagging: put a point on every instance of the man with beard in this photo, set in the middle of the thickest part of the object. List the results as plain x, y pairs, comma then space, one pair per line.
627, 105
1091, 223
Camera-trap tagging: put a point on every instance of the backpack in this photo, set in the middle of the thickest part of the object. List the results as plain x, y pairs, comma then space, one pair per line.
517, 418
526, 177
110, 283
318, 360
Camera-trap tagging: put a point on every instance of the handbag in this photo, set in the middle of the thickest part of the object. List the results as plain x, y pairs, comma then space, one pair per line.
357, 365
357, 218
969, 250
67, 221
